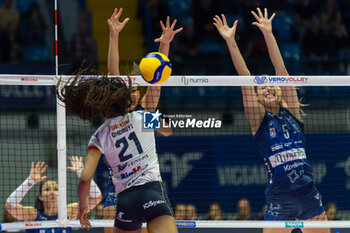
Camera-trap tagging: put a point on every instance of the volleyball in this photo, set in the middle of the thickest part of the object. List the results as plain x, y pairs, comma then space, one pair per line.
155, 68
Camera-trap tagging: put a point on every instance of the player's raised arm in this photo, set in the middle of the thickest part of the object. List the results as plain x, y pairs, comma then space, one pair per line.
115, 26
289, 94
26, 213
254, 111
91, 162
95, 195
151, 98
228, 34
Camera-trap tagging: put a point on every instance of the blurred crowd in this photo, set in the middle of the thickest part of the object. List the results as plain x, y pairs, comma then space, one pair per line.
22, 32
27, 34
216, 213
312, 34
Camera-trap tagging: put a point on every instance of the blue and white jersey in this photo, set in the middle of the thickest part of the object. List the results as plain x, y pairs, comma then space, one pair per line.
281, 142
43, 217
112, 197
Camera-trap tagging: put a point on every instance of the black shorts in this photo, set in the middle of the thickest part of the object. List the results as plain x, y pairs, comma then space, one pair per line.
140, 204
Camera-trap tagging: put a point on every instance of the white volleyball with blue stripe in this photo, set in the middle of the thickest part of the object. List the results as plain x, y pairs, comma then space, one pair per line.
155, 68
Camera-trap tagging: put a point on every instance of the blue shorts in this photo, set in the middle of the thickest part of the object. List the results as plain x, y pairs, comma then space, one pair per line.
301, 204
111, 198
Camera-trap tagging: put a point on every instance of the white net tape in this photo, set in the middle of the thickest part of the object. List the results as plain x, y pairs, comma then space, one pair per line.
50, 80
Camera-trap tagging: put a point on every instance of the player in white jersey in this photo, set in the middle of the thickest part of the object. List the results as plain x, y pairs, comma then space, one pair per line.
129, 149
149, 101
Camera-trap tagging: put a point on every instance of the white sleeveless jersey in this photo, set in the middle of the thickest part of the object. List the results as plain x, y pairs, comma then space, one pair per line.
130, 150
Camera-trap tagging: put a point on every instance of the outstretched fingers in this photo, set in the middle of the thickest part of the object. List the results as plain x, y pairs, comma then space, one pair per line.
125, 21
178, 30
235, 23
173, 24
217, 21
255, 16
224, 19
114, 13
260, 13
42, 170
168, 22
117, 13
162, 25
272, 16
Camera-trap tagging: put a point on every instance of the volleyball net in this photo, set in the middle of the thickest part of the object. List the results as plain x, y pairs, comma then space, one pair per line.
211, 166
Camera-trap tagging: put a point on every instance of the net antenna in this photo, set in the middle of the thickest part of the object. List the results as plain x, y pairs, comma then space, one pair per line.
61, 141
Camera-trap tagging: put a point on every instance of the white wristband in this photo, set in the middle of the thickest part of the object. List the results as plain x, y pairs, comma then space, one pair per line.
94, 190
16, 196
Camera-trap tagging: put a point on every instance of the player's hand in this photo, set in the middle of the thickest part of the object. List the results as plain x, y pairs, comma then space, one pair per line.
84, 222
264, 23
76, 163
168, 31
228, 33
37, 171
115, 26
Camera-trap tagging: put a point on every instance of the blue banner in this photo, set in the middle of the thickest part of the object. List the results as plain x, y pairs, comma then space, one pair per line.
223, 169
32, 97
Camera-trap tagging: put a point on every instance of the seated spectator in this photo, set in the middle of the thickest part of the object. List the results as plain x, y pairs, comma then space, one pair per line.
261, 215
303, 13
341, 45
191, 212
11, 49
8, 15
203, 12
33, 26
330, 16
331, 210
180, 212
46, 202
243, 209
159, 11
189, 43
316, 46
99, 211
82, 47
215, 212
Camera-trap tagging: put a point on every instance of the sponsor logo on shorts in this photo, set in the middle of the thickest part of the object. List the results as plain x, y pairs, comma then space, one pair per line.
294, 224
153, 203
186, 224
274, 209
120, 217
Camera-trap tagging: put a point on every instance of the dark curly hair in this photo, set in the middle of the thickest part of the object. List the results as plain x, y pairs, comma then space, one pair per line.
89, 95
